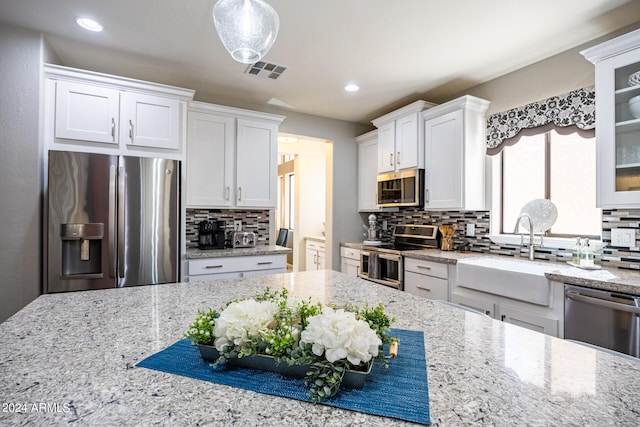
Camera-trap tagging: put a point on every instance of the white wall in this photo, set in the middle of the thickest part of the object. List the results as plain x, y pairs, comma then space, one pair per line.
21, 54
556, 75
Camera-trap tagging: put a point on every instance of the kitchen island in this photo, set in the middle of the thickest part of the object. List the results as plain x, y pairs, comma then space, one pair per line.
73, 355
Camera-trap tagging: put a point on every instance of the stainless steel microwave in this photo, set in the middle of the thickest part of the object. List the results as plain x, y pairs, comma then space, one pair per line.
404, 188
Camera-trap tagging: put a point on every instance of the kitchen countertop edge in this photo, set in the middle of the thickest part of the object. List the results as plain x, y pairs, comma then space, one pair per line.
234, 252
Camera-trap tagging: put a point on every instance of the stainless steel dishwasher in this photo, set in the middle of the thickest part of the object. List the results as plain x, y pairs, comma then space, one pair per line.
603, 318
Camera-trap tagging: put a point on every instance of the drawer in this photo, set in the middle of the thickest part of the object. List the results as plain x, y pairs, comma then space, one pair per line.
430, 268
350, 253
312, 244
426, 286
232, 264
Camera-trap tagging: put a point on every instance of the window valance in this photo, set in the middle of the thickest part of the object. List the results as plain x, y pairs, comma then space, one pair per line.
576, 108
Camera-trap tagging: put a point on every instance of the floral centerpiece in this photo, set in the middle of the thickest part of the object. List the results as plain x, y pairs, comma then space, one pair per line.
328, 340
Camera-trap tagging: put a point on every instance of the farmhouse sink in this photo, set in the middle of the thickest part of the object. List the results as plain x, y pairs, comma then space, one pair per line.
517, 279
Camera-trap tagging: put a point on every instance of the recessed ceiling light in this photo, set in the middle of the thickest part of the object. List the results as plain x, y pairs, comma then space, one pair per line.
351, 87
89, 24
287, 139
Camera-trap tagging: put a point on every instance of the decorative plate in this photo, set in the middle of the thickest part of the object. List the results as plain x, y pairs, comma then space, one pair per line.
543, 214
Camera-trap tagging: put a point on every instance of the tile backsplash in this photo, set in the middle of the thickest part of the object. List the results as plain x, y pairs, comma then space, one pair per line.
610, 256
252, 220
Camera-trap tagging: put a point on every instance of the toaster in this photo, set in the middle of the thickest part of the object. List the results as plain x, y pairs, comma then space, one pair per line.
244, 239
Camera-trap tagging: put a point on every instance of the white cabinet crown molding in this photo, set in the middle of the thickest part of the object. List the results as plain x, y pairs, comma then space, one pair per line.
204, 107
612, 47
414, 107
55, 72
466, 102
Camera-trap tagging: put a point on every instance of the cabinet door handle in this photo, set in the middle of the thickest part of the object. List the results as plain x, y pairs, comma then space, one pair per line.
315, 259
265, 262
424, 267
113, 128
503, 317
398, 157
239, 193
131, 130
228, 192
390, 159
426, 195
423, 288
214, 266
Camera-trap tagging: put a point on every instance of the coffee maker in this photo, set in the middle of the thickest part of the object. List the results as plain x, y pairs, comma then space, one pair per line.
211, 235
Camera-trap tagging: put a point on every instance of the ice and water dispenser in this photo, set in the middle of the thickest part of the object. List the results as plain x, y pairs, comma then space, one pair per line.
81, 250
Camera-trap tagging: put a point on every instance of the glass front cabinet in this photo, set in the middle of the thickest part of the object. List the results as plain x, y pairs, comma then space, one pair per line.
617, 63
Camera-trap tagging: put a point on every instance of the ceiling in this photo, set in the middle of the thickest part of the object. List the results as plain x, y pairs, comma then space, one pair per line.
397, 51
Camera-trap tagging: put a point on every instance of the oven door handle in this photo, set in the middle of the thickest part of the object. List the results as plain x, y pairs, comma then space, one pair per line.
602, 302
389, 257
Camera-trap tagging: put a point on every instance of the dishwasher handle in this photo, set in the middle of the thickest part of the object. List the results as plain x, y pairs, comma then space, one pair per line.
604, 303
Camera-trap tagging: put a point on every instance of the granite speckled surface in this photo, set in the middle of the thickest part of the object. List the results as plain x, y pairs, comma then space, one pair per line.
231, 252
77, 351
611, 279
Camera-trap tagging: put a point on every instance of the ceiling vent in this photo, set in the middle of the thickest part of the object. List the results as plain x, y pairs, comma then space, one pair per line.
266, 69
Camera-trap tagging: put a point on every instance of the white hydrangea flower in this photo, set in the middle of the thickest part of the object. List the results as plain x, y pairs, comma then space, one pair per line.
339, 335
243, 319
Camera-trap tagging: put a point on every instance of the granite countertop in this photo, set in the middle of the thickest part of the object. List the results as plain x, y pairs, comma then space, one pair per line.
230, 252
612, 279
321, 239
78, 351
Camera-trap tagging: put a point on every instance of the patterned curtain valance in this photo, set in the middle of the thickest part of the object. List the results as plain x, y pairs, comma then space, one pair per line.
576, 108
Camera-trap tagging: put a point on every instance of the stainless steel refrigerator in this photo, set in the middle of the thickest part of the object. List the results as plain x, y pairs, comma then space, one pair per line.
113, 221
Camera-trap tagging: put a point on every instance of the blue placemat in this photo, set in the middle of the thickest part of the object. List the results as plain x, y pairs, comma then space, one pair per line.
400, 391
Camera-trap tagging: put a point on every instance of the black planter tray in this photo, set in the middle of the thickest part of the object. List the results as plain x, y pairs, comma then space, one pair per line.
351, 379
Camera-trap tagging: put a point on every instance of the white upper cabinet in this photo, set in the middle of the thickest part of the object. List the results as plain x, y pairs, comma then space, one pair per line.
257, 163
88, 111
85, 112
210, 159
454, 135
617, 129
367, 171
400, 136
231, 157
150, 121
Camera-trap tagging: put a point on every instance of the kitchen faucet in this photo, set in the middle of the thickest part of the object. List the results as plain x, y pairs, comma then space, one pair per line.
531, 242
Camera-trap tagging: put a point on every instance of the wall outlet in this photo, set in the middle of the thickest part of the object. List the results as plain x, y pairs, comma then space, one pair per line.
471, 230
623, 237
237, 225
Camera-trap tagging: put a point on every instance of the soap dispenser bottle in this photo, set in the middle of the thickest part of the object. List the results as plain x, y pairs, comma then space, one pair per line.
575, 255
587, 259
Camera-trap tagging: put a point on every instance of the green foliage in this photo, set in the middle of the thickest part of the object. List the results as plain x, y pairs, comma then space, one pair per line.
201, 330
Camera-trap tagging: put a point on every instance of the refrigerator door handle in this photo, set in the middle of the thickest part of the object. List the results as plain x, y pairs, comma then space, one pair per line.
122, 208
112, 221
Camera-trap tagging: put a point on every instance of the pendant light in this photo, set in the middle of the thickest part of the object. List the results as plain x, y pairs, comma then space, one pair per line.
247, 28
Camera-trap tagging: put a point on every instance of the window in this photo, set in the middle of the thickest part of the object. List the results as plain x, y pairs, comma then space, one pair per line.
558, 167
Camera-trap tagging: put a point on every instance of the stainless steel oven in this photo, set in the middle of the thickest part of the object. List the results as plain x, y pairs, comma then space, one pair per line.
384, 263
382, 266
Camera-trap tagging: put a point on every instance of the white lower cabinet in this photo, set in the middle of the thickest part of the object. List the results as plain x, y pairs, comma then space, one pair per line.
315, 255
350, 261
240, 266
426, 279
536, 322
483, 305
547, 318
